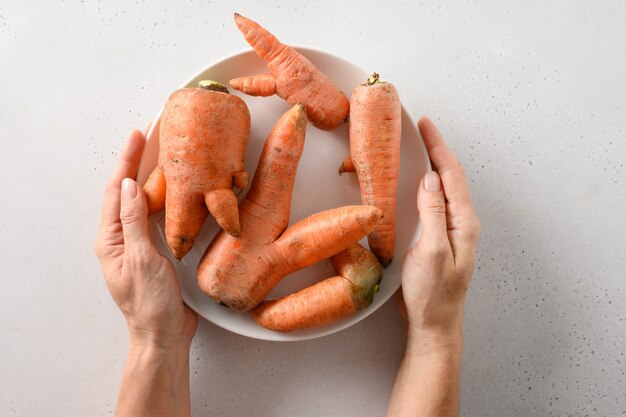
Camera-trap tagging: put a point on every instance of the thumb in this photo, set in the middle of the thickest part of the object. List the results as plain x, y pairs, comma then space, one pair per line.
134, 214
431, 204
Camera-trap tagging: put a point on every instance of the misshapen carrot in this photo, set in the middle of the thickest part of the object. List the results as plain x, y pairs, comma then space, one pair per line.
375, 134
240, 272
292, 77
202, 141
329, 300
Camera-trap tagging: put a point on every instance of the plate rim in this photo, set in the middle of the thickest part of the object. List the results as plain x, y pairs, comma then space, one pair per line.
278, 336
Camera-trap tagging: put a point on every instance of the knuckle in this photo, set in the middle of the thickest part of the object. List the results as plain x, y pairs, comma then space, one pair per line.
459, 287
411, 256
458, 166
112, 187
146, 261
437, 206
143, 262
437, 250
129, 214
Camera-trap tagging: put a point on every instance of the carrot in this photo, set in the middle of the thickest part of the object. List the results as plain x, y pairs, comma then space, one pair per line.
240, 272
375, 154
203, 137
329, 300
292, 77
346, 165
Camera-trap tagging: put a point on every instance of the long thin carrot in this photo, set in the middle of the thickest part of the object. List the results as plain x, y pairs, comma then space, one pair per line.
375, 134
292, 76
240, 272
203, 137
329, 300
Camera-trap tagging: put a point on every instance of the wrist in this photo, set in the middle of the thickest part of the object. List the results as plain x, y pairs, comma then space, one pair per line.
148, 356
441, 338
143, 340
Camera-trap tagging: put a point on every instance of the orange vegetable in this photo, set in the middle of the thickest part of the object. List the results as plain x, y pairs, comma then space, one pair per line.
292, 76
203, 137
375, 155
329, 300
240, 272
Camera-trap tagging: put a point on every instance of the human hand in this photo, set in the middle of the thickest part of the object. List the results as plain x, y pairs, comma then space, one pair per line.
142, 282
436, 271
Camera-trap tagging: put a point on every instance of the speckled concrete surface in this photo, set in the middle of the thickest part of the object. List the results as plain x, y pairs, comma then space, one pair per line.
529, 94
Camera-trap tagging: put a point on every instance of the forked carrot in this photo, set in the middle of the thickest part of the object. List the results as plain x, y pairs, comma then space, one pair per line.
202, 141
329, 300
292, 77
240, 272
375, 133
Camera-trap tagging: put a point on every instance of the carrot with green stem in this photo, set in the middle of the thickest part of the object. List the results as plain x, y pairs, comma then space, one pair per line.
292, 77
202, 141
334, 298
240, 272
375, 134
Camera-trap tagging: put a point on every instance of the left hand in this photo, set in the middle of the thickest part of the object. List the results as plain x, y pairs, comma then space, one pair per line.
142, 282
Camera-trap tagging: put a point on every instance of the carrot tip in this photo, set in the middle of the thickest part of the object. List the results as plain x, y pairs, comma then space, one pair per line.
385, 262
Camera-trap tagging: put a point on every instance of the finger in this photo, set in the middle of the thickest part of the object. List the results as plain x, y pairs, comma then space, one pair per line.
126, 167
431, 205
147, 129
447, 165
462, 224
134, 216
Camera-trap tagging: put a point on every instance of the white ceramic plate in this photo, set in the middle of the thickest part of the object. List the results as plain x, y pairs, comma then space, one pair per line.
318, 187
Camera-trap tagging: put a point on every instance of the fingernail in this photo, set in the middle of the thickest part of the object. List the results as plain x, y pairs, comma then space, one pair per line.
431, 181
129, 189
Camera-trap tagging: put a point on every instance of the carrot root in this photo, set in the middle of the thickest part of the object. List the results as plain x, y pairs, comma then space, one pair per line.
236, 271
241, 272
346, 165
154, 190
203, 134
222, 205
326, 233
184, 217
294, 78
329, 300
263, 85
240, 179
375, 135
317, 305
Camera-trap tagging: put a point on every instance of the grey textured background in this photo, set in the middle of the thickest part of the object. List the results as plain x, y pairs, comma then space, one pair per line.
529, 94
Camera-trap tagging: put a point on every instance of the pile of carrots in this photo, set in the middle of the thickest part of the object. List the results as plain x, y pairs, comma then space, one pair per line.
203, 138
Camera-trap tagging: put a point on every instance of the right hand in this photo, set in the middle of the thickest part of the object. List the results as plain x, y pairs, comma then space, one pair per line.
436, 271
